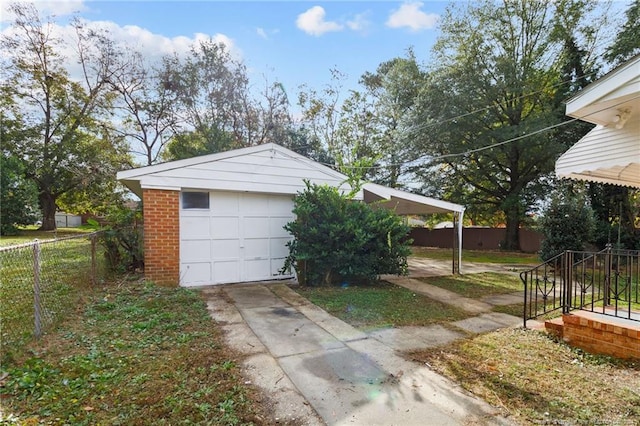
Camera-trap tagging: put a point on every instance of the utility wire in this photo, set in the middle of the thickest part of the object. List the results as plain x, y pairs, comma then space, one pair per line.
471, 151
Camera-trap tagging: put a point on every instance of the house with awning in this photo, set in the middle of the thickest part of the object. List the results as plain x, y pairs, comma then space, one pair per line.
610, 152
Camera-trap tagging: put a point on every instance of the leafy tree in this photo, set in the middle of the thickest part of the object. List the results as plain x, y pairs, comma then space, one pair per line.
492, 89
394, 89
64, 148
617, 209
149, 106
627, 42
567, 224
336, 239
345, 128
18, 196
214, 95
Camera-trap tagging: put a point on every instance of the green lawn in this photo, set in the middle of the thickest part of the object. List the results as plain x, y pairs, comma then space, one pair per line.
380, 305
531, 377
64, 272
479, 285
28, 234
133, 353
479, 256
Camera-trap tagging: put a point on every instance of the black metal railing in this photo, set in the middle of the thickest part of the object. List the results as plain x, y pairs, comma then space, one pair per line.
606, 282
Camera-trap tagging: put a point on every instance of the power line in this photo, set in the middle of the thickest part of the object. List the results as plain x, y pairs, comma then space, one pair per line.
472, 151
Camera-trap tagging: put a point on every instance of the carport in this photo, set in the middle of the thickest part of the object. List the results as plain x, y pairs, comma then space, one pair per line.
406, 203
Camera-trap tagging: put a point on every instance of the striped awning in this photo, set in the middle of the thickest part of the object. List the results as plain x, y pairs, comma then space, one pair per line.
605, 155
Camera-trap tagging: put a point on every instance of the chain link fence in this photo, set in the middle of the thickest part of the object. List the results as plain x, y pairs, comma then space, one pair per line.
43, 280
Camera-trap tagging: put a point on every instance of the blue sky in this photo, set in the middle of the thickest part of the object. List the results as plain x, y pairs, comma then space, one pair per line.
294, 42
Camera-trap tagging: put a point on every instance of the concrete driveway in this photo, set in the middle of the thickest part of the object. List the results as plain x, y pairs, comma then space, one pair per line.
319, 370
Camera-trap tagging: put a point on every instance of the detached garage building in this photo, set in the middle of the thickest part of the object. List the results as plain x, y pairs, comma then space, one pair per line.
219, 218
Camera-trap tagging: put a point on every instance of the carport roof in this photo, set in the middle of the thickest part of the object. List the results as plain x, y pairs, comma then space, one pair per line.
405, 203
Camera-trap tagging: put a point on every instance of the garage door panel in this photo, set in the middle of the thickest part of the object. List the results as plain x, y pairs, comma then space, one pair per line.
257, 269
276, 267
276, 226
225, 249
226, 271
280, 206
254, 204
195, 274
225, 228
195, 228
278, 247
256, 248
196, 250
225, 204
256, 227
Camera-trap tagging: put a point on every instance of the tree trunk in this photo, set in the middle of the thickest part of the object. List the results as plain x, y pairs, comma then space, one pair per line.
512, 236
48, 205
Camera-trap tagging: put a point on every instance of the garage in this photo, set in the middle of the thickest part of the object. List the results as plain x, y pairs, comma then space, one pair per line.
219, 218
233, 237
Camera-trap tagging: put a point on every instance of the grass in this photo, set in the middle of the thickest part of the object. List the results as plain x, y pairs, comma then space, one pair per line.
30, 233
476, 286
65, 268
380, 305
135, 354
479, 256
532, 377
538, 380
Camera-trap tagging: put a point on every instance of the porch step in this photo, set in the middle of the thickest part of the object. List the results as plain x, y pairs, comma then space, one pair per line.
555, 326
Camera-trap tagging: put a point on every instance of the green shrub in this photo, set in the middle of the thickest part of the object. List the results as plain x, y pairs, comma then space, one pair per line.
567, 224
122, 239
336, 239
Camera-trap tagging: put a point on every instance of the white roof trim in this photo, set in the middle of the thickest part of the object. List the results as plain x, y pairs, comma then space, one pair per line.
171, 165
406, 202
623, 78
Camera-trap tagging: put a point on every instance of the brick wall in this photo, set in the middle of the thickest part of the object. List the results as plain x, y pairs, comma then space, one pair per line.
161, 236
603, 335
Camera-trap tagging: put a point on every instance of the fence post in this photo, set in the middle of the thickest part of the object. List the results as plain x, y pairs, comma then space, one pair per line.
567, 284
37, 317
94, 273
608, 267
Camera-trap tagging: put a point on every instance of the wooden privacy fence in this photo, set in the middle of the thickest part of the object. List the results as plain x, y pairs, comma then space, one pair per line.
41, 282
474, 238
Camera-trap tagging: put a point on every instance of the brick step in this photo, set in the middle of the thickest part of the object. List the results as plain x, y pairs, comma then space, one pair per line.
555, 326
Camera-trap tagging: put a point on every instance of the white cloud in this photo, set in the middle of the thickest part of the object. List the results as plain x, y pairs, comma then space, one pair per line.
152, 46
410, 16
312, 22
262, 33
55, 8
360, 22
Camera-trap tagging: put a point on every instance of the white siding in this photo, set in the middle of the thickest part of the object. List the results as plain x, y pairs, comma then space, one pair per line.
605, 155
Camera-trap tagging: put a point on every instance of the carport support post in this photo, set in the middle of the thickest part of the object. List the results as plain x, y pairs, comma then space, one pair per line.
460, 229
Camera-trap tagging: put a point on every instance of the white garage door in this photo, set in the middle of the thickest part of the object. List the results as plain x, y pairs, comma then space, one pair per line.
238, 237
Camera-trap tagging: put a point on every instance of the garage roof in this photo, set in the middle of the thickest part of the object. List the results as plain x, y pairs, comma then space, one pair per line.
267, 168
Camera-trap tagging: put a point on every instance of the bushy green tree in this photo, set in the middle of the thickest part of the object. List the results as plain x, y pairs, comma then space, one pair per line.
337, 239
18, 196
567, 224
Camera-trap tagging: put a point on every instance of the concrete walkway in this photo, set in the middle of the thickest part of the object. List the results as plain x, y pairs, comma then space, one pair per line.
319, 370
